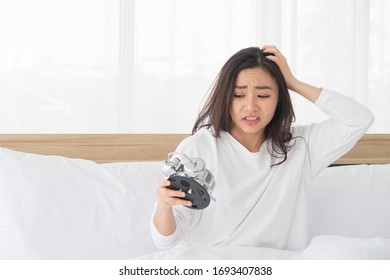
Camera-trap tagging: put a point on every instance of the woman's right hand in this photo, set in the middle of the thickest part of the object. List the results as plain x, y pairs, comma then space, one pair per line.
167, 197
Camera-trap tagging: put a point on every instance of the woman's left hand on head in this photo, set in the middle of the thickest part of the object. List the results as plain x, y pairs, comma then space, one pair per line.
281, 61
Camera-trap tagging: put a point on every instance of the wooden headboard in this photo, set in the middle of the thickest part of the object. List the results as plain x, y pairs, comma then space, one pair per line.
371, 148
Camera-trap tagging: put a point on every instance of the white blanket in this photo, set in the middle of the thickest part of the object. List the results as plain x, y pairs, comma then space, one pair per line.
321, 247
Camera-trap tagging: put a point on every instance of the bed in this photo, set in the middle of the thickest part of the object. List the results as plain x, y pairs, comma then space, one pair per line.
92, 196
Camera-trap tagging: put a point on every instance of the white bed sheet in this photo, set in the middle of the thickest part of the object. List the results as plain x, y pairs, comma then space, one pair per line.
221, 253
320, 248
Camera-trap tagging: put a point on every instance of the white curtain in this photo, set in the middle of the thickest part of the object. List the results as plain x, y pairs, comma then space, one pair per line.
59, 66
145, 66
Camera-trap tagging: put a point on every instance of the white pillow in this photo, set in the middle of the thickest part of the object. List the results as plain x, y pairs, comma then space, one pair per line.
351, 201
60, 208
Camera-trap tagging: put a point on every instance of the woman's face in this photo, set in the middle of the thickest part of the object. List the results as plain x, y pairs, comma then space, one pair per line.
254, 103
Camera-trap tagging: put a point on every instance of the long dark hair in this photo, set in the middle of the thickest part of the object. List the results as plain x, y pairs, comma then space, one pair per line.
216, 111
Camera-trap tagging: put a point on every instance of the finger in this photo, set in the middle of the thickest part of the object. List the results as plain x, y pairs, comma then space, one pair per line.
165, 182
268, 47
164, 191
176, 193
176, 201
273, 50
179, 201
272, 57
169, 196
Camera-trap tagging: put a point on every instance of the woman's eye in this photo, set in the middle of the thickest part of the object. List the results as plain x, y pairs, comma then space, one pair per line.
238, 95
263, 96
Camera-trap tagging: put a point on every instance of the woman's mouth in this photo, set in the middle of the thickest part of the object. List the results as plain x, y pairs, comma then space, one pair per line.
251, 120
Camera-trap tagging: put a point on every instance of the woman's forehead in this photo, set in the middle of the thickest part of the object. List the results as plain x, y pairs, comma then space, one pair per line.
258, 75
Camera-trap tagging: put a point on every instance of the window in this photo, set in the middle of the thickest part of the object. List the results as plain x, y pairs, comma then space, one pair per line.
145, 66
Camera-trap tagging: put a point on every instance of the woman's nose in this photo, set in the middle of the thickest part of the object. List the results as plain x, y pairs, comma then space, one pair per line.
251, 104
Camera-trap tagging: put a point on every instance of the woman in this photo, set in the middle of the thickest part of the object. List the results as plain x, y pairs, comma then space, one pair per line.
261, 164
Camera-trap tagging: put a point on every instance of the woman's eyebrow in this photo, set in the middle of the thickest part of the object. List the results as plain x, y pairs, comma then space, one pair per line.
263, 87
256, 87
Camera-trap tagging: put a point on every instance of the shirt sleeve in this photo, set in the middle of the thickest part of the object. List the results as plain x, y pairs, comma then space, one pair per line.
329, 140
184, 217
167, 242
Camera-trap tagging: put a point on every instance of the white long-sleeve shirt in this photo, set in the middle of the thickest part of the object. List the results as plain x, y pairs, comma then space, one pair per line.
260, 205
